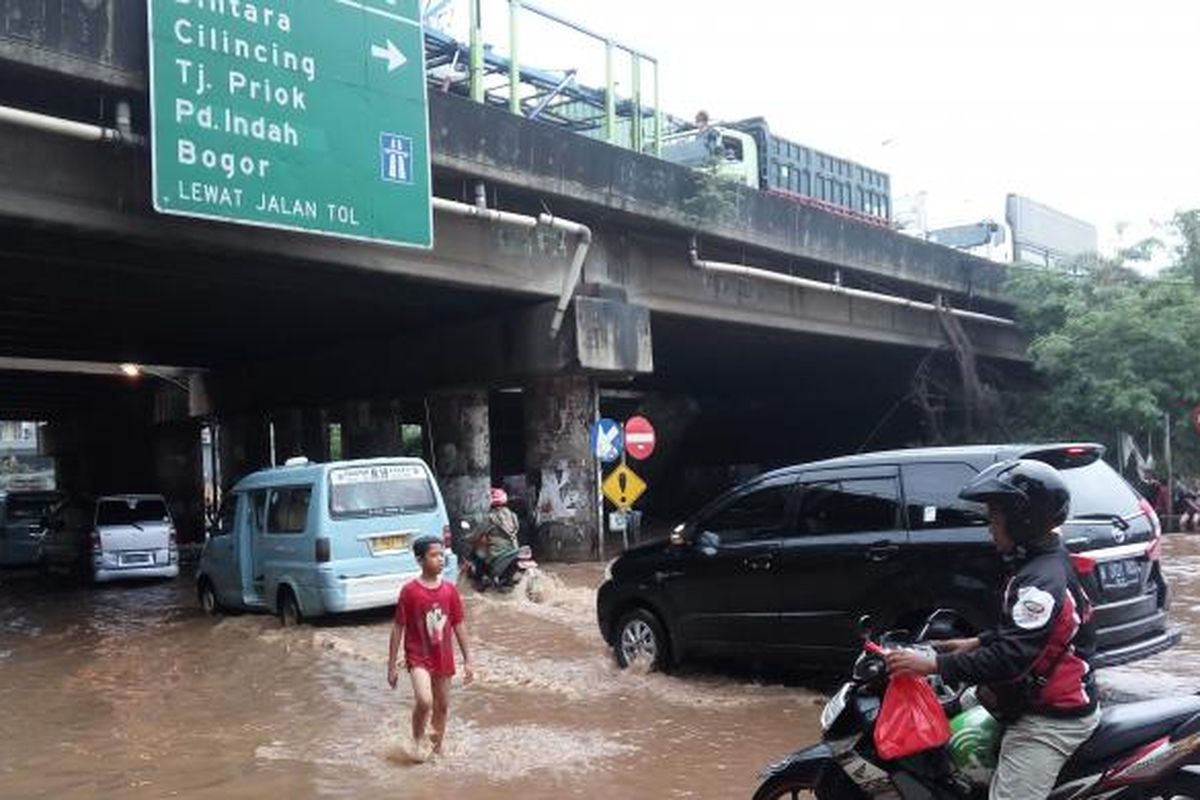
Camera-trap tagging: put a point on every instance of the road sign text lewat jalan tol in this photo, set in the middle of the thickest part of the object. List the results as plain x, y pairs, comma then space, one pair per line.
303, 114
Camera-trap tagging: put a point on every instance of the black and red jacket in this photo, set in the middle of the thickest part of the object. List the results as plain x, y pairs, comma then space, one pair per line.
1045, 634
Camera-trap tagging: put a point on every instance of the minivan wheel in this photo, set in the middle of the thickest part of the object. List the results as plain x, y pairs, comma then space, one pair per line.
289, 609
208, 598
640, 641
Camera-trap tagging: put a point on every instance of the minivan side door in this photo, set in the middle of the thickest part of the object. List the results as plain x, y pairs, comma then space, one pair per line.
285, 549
722, 589
841, 558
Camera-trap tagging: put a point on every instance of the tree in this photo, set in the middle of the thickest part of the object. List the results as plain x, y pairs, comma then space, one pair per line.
1115, 350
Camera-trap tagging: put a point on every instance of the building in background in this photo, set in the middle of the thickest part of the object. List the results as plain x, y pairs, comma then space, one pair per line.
1046, 236
22, 467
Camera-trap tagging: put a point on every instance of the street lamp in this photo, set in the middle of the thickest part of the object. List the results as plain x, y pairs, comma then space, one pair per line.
137, 370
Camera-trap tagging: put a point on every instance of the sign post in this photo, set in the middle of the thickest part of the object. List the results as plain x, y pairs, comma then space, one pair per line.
303, 116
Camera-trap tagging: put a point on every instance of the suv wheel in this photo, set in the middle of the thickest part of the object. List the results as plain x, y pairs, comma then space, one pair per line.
640, 641
289, 609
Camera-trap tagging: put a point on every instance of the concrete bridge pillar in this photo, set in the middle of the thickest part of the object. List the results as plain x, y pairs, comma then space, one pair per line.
462, 451
370, 429
314, 434
289, 434
559, 412
245, 446
177, 467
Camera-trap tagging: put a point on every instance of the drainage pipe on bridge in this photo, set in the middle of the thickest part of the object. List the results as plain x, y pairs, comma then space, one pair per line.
758, 273
123, 134
480, 210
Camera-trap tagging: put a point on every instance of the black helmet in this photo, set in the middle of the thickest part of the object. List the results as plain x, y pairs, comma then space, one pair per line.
1032, 493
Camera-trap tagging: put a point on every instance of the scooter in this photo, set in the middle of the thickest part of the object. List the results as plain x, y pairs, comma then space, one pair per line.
1141, 750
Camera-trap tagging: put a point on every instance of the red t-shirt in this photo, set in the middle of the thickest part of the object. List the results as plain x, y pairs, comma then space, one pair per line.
428, 617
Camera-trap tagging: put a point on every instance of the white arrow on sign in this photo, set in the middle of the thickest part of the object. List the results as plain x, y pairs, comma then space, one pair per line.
606, 442
390, 54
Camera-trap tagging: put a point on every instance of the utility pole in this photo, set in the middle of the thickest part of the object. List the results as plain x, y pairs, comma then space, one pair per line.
1170, 466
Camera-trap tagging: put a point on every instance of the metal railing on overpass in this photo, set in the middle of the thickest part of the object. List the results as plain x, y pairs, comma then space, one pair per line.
555, 96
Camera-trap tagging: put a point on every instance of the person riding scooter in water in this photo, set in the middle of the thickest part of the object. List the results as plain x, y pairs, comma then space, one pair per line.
1031, 672
497, 536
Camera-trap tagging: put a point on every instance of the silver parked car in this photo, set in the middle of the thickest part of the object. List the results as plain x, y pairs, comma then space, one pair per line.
111, 538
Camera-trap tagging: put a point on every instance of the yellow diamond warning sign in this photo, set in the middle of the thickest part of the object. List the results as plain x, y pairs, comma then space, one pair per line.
623, 487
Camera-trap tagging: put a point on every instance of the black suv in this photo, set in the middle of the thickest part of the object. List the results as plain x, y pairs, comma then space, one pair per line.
786, 563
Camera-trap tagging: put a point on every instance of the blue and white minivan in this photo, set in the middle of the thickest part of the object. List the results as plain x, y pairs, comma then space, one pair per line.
309, 539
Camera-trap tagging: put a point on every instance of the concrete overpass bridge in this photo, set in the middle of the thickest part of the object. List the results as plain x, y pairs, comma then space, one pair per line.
568, 278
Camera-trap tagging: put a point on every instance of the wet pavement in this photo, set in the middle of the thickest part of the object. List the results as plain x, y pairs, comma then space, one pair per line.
129, 692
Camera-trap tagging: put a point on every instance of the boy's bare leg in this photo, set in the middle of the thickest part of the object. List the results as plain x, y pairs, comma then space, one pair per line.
441, 709
422, 686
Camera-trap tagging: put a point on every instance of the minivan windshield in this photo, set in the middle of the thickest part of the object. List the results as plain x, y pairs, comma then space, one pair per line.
380, 489
1097, 489
132, 511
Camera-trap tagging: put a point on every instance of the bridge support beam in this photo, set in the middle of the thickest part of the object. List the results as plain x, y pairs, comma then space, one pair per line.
462, 451
371, 429
559, 412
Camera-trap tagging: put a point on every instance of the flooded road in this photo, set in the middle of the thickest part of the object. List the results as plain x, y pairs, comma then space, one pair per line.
128, 692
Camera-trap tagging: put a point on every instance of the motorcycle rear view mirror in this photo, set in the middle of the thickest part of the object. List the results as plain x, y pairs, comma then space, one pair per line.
941, 624
865, 626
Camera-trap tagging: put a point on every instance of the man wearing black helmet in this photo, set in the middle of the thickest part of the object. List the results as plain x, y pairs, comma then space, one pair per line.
1031, 671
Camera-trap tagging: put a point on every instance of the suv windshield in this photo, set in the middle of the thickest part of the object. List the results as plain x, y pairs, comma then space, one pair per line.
1097, 490
379, 489
132, 511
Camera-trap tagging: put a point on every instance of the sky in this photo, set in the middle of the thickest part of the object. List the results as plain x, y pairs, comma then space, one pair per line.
1090, 107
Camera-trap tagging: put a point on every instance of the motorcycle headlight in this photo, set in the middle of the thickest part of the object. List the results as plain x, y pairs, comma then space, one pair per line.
608, 570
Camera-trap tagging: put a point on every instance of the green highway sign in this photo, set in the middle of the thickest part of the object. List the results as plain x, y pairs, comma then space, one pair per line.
307, 115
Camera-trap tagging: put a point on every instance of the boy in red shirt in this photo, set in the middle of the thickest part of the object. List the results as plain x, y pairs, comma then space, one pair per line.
427, 611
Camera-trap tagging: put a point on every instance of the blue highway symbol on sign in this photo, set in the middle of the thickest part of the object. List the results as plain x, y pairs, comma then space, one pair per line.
607, 440
396, 155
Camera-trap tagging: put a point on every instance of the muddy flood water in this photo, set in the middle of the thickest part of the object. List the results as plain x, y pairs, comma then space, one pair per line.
129, 692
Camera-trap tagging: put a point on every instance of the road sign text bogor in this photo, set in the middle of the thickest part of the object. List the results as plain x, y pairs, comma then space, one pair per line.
301, 115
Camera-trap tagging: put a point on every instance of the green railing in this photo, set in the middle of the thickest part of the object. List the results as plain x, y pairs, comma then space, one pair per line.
639, 120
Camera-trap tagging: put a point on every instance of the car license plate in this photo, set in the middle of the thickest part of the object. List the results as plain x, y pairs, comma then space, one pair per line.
1120, 574
134, 559
381, 545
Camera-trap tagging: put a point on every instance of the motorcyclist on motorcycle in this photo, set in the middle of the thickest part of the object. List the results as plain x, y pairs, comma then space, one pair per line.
1032, 670
497, 535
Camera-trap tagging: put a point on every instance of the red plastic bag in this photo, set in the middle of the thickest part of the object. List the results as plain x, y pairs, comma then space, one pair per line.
911, 719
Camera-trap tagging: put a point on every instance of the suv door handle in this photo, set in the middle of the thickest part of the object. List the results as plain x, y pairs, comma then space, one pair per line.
763, 562
882, 551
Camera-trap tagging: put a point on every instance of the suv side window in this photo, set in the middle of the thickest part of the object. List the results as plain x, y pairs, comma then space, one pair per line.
758, 514
858, 505
931, 494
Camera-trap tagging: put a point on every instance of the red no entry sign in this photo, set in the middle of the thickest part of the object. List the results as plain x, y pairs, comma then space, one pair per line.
639, 437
